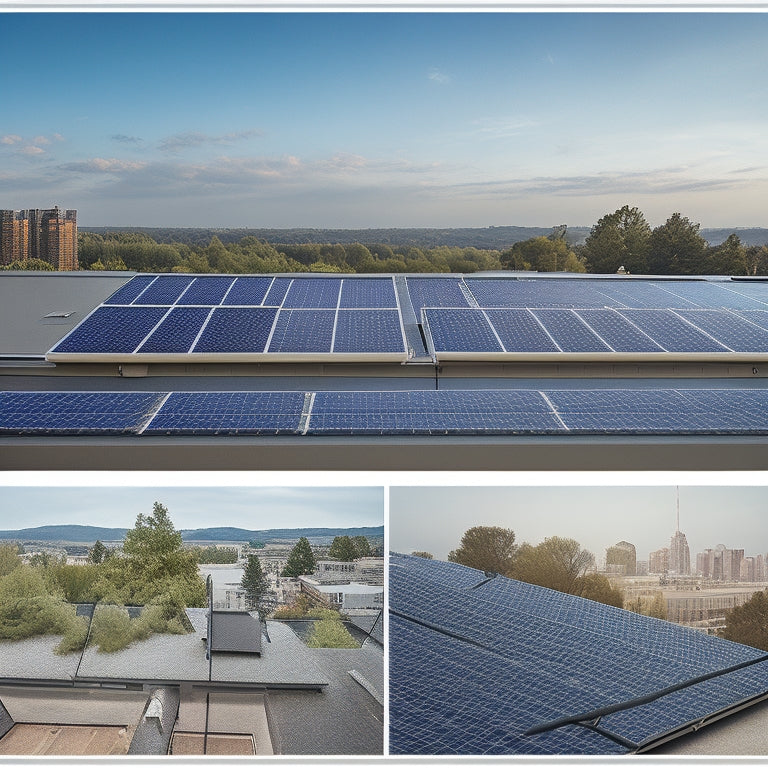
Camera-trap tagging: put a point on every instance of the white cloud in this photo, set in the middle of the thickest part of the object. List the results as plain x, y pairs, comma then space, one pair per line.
102, 165
10, 138
181, 141
437, 76
31, 150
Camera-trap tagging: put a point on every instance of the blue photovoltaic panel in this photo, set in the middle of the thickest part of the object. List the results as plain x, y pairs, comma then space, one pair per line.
368, 293
757, 290
166, 289
229, 413
368, 330
710, 295
664, 411
568, 330
435, 292
237, 330
617, 331
671, 332
112, 330
641, 295
75, 413
431, 412
248, 291
759, 317
303, 330
519, 331
277, 291
729, 329
130, 290
177, 331
206, 291
313, 293
460, 330
536, 293
477, 663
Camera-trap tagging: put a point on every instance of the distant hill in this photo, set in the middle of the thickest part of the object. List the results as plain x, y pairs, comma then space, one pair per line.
491, 238
88, 533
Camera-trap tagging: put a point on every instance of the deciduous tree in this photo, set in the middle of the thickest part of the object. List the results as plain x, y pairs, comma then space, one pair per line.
748, 623
487, 548
556, 563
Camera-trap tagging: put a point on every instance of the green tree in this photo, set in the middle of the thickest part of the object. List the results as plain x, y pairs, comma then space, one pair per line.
730, 258
556, 563
97, 553
362, 546
301, 561
621, 238
30, 265
596, 586
9, 558
655, 606
487, 548
748, 623
757, 259
342, 548
677, 248
425, 555
254, 582
542, 254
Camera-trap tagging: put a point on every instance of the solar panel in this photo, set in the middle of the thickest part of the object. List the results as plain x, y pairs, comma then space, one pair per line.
569, 331
112, 329
130, 290
368, 293
642, 294
178, 330
525, 292
303, 330
431, 412
710, 295
166, 289
670, 331
236, 329
520, 331
313, 293
277, 291
75, 413
494, 666
729, 329
435, 292
229, 413
460, 330
757, 290
368, 330
207, 291
248, 291
617, 331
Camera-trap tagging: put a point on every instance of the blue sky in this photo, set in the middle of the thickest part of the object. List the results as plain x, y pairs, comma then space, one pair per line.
384, 119
597, 517
254, 508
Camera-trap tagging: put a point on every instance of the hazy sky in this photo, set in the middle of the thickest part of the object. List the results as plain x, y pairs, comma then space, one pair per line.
434, 519
193, 507
384, 119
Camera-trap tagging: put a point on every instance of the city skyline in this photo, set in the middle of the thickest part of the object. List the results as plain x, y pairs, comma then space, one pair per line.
358, 120
597, 517
252, 508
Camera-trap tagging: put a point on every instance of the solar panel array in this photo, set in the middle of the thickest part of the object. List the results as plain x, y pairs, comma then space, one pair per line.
495, 666
153, 316
156, 316
403, 412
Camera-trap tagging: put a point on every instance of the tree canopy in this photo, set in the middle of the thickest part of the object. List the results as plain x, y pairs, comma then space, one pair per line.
748, 623
556, 563
677, 248
254, 582
343, 548
301, 561
619, 239
487, 548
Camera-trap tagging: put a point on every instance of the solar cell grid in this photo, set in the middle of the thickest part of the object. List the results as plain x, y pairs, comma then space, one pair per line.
130, 290
757, 290
178, 330
729, 329
569, 331
617, 331
368, 293
519, 331
460, 330
166, 289
80, 413
276, 293
228, 413
670, 331
435, 292
313, 293
644, 294
235, 329
368, 330
758, 317
708, 295
206, 291
111, 329
492, 293
247, 291
303, 330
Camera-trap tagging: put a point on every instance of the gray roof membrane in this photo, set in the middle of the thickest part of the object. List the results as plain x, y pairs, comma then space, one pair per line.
483, 665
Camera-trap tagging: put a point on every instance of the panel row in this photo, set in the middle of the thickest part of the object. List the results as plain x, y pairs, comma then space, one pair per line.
255, 290
596, 330
451, 412
183, 330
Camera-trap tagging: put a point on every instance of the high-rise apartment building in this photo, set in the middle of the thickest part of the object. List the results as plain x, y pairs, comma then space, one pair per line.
679, 554
621, 558
658, 561
47, 234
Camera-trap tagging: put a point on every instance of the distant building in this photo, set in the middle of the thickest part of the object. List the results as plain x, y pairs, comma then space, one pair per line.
621, 559
343, 597
658, 561
46, 234
679, 553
